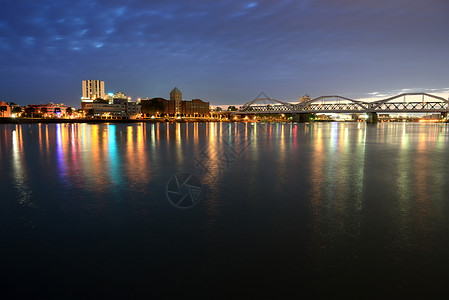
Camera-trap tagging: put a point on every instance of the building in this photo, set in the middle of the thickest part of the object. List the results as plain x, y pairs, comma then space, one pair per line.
175, 106
49, 110
102, 109
92, 89
111, 96
118, 109
195, 108
5, 110
133, 109
432, 117
119, 95
160, 107
305, 98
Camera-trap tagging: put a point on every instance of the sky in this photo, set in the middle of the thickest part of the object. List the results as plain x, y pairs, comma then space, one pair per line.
224, 52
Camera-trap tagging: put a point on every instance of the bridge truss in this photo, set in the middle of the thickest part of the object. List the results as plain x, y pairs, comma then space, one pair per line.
403, 103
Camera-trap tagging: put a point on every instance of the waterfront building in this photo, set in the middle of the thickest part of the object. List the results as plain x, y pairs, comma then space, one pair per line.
118, 109
92, 89
195, 108
5, 110
133, 109
437, 116
49, 110
175, 105
164, 107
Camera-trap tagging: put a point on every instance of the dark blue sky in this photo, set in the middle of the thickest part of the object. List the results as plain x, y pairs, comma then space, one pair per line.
225, 52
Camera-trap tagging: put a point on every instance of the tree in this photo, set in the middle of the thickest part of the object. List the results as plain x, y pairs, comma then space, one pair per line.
17, 110
232, 108
44, 110
69, 111
29, 111
153, 106
3, 109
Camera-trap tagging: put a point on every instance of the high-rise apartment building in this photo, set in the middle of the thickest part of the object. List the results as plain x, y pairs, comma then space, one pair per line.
92, 89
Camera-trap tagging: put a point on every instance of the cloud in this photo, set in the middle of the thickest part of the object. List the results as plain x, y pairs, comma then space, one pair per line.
293, 47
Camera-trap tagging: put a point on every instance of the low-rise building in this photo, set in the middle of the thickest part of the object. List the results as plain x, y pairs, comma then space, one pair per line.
163, 107
196, 108
49, 110
5, 110
119, 108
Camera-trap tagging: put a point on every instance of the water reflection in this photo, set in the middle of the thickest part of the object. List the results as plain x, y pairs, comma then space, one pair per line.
345, 196
337, 174
20, 176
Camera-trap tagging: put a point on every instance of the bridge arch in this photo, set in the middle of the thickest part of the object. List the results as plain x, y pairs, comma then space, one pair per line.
363, 105
404, 103
411, 94
285, 105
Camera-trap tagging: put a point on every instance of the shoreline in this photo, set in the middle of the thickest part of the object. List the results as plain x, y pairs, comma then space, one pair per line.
171, 120
93, 121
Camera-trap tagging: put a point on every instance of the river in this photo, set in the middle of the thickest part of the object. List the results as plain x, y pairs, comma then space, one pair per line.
224, 210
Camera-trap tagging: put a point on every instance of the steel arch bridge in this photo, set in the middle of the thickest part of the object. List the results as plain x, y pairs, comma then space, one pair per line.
402, 103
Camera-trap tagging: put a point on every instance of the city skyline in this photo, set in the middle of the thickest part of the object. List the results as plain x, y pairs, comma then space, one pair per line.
223, 53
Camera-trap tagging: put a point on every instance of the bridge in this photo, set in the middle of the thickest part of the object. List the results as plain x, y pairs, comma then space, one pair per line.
402, 103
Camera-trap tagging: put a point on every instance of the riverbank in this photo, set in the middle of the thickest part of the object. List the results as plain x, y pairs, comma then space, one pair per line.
173, 120
95, 121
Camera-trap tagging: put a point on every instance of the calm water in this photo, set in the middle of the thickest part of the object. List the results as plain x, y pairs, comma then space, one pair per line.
329, 209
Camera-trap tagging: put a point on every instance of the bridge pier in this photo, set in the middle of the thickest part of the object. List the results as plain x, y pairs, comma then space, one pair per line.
372, 117
355, 117
301, 118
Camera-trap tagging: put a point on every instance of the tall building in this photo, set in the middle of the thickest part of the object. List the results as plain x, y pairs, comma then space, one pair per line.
176, 99
92, 89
